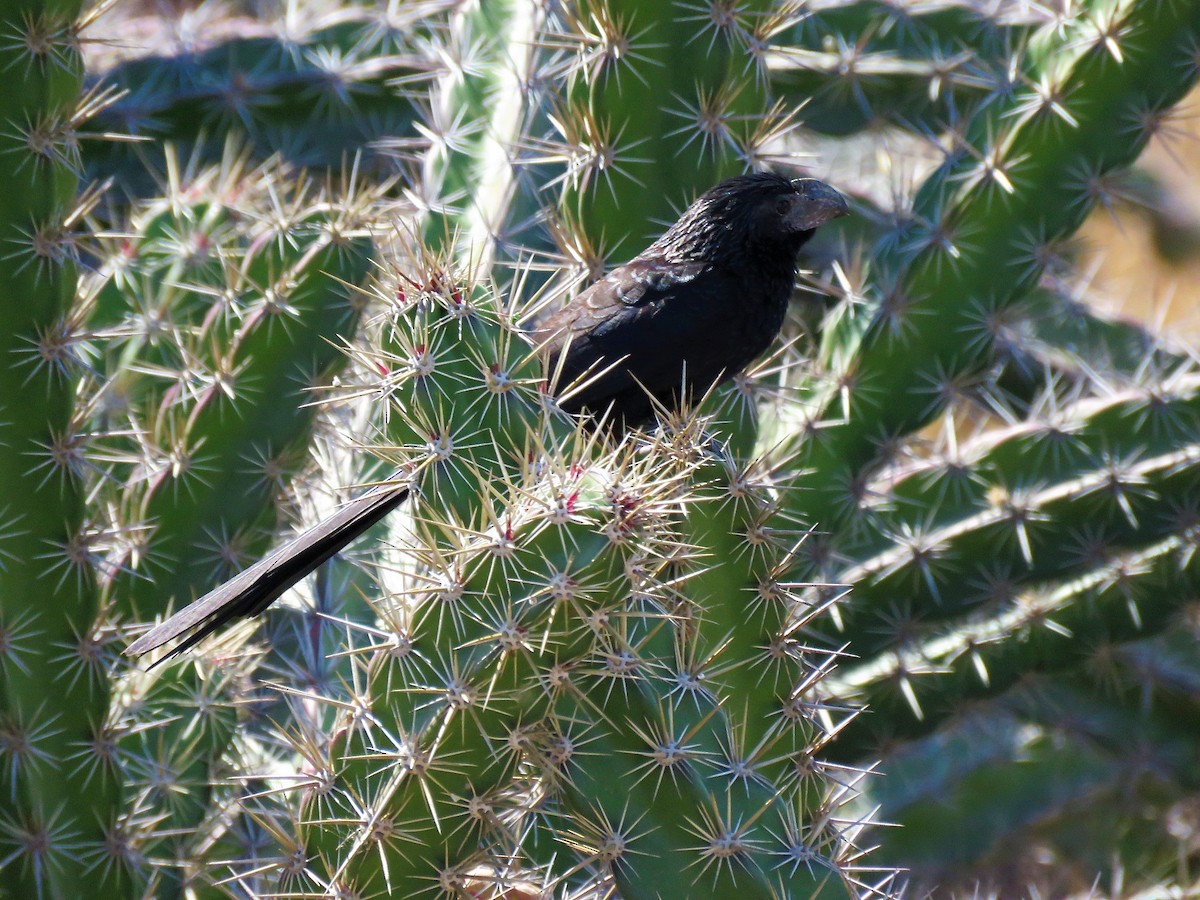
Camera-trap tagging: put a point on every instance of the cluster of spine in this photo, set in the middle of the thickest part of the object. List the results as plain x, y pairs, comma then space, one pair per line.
582, 664
856, 66
986, 564
212, 316
54, 680
316, 98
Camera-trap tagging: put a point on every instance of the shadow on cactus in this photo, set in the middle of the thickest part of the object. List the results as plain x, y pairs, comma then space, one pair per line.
317, 99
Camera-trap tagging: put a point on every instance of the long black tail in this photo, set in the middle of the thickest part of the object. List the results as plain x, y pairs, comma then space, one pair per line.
254, 589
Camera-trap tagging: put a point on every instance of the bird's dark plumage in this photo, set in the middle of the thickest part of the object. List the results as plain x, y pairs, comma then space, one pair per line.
695, 308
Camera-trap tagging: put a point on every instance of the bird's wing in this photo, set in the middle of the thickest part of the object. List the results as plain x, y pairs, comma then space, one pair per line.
635, 284
630, 330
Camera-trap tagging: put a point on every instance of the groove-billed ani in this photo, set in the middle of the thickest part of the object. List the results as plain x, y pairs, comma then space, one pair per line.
694, 309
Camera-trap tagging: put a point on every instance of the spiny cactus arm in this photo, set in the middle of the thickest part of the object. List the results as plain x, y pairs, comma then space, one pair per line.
665, 699
911, 692
1125, 752
460, 390
1042, 502
1025, 175
859, 65
61, 821
231, 436
319, 99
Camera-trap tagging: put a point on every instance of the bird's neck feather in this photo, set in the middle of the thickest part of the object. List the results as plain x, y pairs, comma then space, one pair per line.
720, 244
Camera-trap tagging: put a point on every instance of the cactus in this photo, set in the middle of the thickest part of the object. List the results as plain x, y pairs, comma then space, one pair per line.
1034, 549
316, 98
862, 65
576, 664
221, 307
61, 785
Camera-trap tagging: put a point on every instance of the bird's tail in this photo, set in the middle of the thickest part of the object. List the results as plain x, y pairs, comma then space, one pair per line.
254, 589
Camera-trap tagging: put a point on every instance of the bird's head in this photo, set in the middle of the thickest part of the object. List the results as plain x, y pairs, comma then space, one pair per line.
749, 216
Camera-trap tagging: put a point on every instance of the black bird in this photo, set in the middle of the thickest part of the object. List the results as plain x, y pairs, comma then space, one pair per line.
693, 310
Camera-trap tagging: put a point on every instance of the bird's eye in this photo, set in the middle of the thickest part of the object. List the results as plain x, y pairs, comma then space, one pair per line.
782, 205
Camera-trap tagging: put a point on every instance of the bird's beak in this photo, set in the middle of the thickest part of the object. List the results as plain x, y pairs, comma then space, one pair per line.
818, 203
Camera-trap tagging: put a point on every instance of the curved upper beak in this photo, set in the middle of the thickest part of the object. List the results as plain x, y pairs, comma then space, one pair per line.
818, 204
